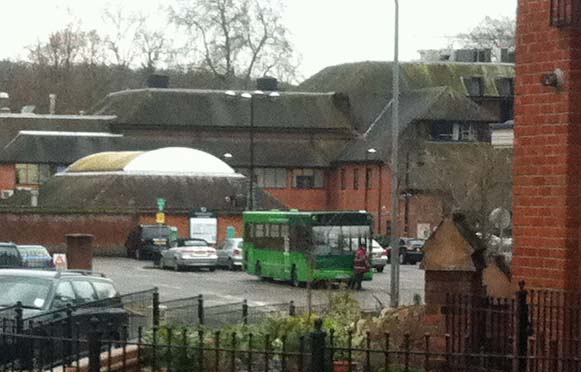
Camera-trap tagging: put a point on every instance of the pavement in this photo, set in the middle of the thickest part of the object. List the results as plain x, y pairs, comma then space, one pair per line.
222, 286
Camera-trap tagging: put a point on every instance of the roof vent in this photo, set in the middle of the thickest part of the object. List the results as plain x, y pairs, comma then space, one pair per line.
158, 81
4, 102
267, 83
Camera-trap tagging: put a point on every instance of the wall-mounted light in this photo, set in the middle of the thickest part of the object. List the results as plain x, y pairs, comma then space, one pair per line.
555, 79
228, 155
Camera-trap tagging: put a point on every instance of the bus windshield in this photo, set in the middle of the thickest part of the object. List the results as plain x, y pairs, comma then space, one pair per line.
335, 240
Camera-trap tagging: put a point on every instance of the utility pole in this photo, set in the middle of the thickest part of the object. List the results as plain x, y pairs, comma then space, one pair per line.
394, 289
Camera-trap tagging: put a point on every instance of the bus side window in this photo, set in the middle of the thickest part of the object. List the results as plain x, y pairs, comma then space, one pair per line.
249, 232
284, 230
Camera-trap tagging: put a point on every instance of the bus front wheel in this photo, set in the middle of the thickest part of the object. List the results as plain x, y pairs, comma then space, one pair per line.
294, 278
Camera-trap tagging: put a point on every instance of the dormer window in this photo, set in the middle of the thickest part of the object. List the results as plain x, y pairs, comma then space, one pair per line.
474, 86
505, 87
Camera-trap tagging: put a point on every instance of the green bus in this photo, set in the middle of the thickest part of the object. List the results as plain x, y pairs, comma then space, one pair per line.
301, 246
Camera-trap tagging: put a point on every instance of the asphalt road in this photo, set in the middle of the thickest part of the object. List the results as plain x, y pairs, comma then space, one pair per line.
223, 286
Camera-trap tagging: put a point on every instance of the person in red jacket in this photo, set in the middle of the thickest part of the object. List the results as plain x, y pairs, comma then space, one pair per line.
361, 266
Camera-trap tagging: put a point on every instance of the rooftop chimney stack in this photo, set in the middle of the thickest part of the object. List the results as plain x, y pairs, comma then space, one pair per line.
4, 102
52, 103
267, 83
158, 81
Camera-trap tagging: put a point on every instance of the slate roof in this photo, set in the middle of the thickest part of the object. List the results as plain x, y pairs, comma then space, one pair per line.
132, 193
11, 124
431, 104
369, 84
31, 147
215, 109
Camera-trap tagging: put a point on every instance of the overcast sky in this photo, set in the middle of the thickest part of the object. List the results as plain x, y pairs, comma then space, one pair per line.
324, 32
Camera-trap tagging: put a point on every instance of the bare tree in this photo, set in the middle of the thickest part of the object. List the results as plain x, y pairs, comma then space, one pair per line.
153, 46
125, 29
472, 178
235, 37
61, 50
491, 33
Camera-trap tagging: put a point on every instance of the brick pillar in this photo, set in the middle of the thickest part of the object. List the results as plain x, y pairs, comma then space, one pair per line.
80, 251
546, 166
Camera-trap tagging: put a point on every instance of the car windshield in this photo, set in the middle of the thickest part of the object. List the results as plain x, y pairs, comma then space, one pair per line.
417, 243
9, 256
32, 292
30, 251
155, 232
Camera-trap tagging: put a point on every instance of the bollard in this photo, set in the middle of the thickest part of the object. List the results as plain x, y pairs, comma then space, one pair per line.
201, 309
245, 312
292, 310
155, 308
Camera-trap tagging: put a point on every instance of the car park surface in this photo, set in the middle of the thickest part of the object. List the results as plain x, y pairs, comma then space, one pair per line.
224, 286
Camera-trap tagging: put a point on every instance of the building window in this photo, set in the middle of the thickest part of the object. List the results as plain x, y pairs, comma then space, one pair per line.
275, 178
462, 132
505, 87
308, 178
474, 86
32, 174
342, 179
356, 179
369, 178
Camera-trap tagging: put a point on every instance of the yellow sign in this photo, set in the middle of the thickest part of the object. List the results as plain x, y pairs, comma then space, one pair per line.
160, 217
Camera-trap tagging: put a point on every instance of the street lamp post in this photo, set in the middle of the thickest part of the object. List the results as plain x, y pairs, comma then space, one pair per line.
394, 288
252, 98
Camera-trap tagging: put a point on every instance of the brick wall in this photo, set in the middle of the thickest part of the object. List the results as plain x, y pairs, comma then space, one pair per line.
546, 170
110, 231
7, 176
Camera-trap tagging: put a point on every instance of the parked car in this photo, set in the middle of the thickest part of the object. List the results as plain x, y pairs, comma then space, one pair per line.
28, 256
230, 253
378, 256
410, 251
42, 291
35, 256
45, 297
190, 253
148, 241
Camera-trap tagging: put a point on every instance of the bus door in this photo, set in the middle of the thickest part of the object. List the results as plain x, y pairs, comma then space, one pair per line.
286, 257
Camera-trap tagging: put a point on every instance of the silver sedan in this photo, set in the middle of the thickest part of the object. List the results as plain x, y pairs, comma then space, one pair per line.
193, 253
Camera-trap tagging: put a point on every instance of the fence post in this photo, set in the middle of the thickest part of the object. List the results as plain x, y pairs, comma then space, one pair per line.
318, 348
292, 310
19, 318
94, 338
155, 308
69, 335
522, 328
245, 312
201, 309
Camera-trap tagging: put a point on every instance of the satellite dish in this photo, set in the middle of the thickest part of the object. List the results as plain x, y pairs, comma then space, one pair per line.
500, 218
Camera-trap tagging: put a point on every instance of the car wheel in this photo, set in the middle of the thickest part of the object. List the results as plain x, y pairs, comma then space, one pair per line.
212, 269
379, 269
294, 277
402, 259
177, 267
230, 265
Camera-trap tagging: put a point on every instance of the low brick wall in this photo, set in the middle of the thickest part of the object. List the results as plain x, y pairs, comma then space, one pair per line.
110, 230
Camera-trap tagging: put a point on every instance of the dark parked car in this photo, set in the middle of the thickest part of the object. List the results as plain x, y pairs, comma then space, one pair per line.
410, 251
148, 241
46, 296
29, 256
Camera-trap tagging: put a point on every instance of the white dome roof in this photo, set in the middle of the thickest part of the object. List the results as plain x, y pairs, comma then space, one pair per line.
178, 160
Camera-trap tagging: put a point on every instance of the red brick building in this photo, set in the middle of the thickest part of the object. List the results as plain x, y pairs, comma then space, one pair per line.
547, 149
326, 146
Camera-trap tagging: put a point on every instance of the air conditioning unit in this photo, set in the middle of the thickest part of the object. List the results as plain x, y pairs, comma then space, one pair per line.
5, 194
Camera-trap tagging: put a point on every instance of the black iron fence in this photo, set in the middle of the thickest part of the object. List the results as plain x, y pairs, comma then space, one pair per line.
187, 349
541, 328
